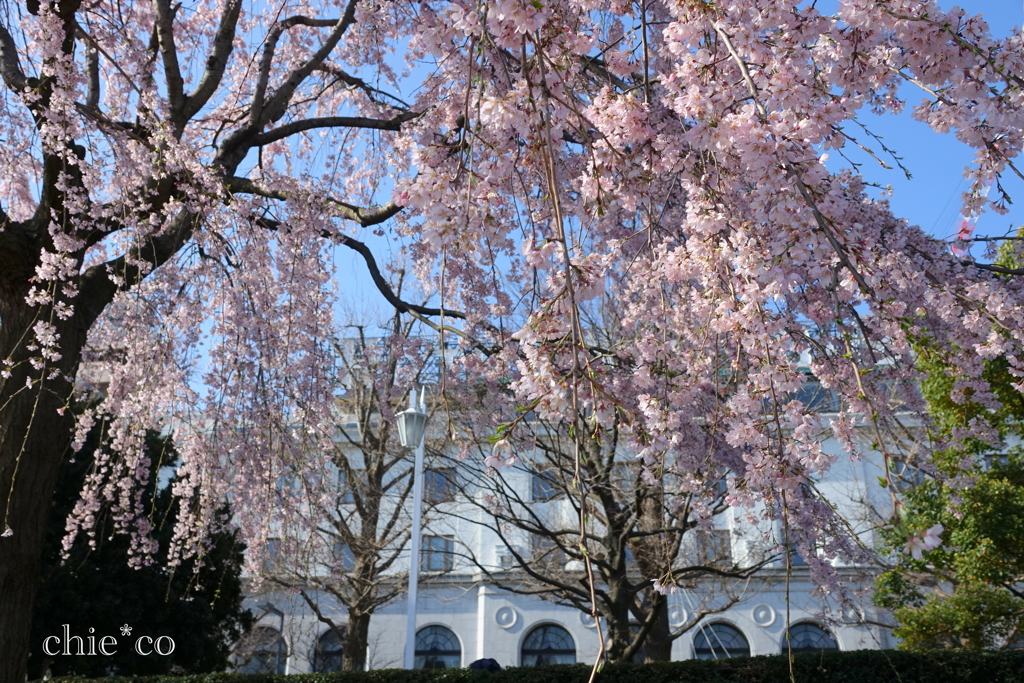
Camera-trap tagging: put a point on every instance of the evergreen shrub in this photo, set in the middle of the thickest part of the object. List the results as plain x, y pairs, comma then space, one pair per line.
861, 666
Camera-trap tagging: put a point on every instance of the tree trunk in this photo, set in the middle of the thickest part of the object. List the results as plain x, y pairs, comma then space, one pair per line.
618, 640
353, 655
658, 645
616, 612
33, 440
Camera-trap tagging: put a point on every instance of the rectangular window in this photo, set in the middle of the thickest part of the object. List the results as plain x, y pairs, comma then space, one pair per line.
798, 560
905, 474
817, 398
795, 558
436, 554
721, 489
272, 556
993, 460
506, 560
623, 478
545, 551
439, 484
286, 483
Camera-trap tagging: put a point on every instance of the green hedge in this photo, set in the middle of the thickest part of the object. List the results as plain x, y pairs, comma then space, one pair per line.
862, 666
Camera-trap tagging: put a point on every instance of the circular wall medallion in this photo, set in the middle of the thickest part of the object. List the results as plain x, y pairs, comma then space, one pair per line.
506, 617
587, 620
763, 615
676, 616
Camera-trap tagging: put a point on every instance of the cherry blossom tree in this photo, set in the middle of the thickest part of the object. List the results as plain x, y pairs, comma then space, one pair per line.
176, 180
132, 220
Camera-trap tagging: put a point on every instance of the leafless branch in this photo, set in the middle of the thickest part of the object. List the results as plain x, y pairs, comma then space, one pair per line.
922, 86
101, 282
10, 65
994, 268
365, 217
289, 129
378, 278
275, 107
267, 59
216, 63
358, 83
169, 54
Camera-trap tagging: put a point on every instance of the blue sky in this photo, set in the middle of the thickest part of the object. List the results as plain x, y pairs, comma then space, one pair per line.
932, 198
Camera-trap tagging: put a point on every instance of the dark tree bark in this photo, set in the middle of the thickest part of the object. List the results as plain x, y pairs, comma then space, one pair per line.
357, 638
33, 439
658, 646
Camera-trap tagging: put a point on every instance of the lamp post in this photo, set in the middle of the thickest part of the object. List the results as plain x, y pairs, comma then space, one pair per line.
412, 425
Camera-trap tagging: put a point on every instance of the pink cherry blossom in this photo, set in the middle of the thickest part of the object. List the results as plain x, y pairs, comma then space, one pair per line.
930, 539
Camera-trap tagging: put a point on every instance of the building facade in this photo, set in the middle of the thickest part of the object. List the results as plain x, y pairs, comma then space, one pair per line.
463, 615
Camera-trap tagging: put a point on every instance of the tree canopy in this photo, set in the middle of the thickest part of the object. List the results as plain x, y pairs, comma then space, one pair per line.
965, 593
176, 181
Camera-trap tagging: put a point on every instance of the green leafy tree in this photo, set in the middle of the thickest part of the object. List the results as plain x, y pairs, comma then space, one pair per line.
967, 592
95, 588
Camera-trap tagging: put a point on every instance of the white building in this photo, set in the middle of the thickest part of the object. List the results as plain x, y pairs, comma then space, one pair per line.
462, 616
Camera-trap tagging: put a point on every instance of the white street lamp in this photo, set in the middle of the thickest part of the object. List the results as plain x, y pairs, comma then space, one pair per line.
412, 424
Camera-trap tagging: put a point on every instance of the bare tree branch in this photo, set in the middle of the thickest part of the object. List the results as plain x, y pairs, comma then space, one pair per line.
215, 63
10, 65
994, 268
358, 83
378, 278
267, 59
385, 288
281, 132
169, 54
100, 283
275, 108
365, 217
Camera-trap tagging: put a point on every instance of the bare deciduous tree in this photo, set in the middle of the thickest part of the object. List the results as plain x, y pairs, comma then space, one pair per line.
643, 540
351, 521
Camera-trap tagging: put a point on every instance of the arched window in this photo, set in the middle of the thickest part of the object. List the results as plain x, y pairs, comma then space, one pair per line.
808, 637
261, 651
548, 644
719, 641
437, 648
327, 653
